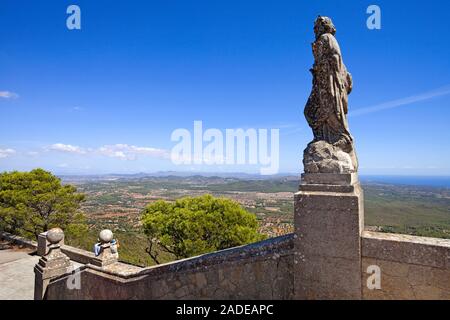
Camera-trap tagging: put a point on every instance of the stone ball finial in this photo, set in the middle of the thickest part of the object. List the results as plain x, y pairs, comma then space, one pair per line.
105, 236
55, 235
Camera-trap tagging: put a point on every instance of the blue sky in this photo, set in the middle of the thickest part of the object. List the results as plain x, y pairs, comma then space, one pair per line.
106, 98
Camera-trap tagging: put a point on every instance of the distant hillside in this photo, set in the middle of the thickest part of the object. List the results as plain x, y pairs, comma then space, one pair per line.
115, 201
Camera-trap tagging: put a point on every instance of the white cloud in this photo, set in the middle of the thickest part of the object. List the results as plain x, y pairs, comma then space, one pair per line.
6, 153
119, 151
130, 152
404, 101
8, 95
66, 148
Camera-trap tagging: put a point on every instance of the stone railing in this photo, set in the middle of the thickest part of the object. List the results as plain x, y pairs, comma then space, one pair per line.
79, 255
410, 268
261, 270
58, 259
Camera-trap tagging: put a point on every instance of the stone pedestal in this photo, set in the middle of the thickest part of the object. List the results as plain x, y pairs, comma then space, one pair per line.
106, 256
108, 252
53, 264
328, 226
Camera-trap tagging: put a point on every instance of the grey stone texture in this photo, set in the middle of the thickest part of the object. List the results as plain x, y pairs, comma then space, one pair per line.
106, 256
329, 179
327, 247
106, 236
43, 244
321, 156
411, 267
78, 255
258, 271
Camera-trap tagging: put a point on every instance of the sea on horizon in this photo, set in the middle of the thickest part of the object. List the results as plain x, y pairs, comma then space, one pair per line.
432, 181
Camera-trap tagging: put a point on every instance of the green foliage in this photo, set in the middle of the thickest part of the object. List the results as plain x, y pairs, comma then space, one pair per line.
423, 231
193, 226
416, 210
33, 202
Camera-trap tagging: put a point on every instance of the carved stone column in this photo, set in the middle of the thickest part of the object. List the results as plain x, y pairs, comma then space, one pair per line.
51, 265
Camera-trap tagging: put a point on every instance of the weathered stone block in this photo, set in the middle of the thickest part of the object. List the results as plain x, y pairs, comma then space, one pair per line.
332, 179
406, 248
411, 267
404, 281
327, 260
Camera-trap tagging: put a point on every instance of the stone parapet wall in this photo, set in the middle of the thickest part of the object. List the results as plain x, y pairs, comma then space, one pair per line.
78, 255
21, 241
411, 267
262, 270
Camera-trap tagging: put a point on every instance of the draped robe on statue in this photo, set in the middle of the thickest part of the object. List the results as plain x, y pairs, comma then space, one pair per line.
327, 107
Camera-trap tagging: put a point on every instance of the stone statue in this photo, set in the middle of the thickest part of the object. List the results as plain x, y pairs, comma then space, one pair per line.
332, 150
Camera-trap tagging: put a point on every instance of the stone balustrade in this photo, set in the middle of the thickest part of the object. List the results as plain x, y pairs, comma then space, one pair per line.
410, 268
58, 259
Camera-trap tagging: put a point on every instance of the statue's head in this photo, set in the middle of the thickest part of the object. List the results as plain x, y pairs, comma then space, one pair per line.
323, 25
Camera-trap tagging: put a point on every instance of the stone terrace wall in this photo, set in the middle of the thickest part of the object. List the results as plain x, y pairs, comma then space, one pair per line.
18, 240
263, 270
411, 267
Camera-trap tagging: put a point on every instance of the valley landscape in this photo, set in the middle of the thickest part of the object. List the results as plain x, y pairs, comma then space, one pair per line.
116, 201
